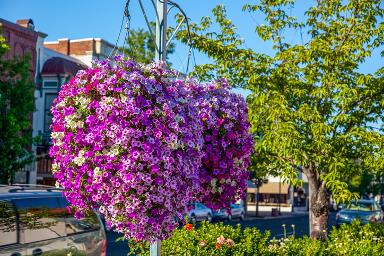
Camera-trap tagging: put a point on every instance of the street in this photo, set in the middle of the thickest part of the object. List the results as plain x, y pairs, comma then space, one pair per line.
274, 225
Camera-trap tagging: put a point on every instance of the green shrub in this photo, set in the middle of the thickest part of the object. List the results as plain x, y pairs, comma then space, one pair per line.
357, 239
297, 247
219, 239
212, 239
216, 239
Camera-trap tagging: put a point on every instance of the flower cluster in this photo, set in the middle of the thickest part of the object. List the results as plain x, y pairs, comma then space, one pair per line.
188, 226
222, 241
227, 143
126, 141
139, 146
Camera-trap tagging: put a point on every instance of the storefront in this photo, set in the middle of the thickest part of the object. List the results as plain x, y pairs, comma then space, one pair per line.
277, 195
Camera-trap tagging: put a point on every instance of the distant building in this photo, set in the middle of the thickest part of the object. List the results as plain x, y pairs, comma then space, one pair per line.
56, 69
24, 40
60, 61
277, 194
85, 50
52, 65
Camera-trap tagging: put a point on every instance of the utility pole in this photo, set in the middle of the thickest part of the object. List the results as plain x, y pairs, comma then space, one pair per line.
161, 30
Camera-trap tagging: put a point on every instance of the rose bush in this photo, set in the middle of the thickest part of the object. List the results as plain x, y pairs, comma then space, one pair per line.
129, 140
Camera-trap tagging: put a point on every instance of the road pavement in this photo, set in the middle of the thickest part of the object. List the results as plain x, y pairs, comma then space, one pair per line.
273, 224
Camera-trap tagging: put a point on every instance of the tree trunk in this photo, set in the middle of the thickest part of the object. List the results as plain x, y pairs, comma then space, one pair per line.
319, 208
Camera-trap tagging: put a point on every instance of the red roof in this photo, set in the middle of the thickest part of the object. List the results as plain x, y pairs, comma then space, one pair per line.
57, 65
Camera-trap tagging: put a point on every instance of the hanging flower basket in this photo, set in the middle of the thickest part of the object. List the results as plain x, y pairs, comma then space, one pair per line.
139, 146
227, 144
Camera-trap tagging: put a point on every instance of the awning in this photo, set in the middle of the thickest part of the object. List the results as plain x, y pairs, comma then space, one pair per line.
58, 65
271, 188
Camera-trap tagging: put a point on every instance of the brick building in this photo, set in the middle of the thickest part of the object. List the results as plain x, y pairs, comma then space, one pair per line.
85, 50
23, 40
52, 64
60, 61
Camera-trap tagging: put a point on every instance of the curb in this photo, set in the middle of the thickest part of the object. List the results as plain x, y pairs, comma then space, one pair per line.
249, 218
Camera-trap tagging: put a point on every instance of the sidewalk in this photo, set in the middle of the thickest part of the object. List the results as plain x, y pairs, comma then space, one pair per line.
251, 215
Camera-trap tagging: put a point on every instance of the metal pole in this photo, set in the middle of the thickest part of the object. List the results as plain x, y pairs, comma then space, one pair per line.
155, 248
160, 55
279, 194
310, 211
161, 30
257, 200
292, 198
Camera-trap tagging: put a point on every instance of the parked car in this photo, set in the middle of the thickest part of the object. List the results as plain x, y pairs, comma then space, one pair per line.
363, 210
34, 221
200, 212
236, 211
382, 203
334, 206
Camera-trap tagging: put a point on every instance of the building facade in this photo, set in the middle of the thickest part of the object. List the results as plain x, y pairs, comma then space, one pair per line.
24, 40
86, 50
276, 194
52, 65
56, 69
61, 60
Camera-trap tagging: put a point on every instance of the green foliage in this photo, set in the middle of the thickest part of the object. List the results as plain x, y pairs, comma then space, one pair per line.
205, 240
214, 239
16, 107
310, 107
297, 247
367, 182
357, 239
352, 240
141, 45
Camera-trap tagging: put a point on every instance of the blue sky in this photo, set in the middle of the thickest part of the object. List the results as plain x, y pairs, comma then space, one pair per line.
77, 19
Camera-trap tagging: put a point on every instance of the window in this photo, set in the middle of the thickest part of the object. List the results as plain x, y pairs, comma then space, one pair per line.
362, 206
73, 226
199, 206
40, 218
8, 230
50, 84
49, 97
273, 198
251, 197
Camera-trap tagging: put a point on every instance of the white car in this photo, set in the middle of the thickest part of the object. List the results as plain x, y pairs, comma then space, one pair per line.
200, 212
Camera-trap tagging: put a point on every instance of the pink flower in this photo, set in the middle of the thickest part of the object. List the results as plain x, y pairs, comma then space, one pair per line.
221, 239
230, 242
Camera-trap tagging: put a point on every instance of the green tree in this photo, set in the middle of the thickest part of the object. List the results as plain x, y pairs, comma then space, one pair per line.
16, 107
367, 182
141, 45
311, 108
